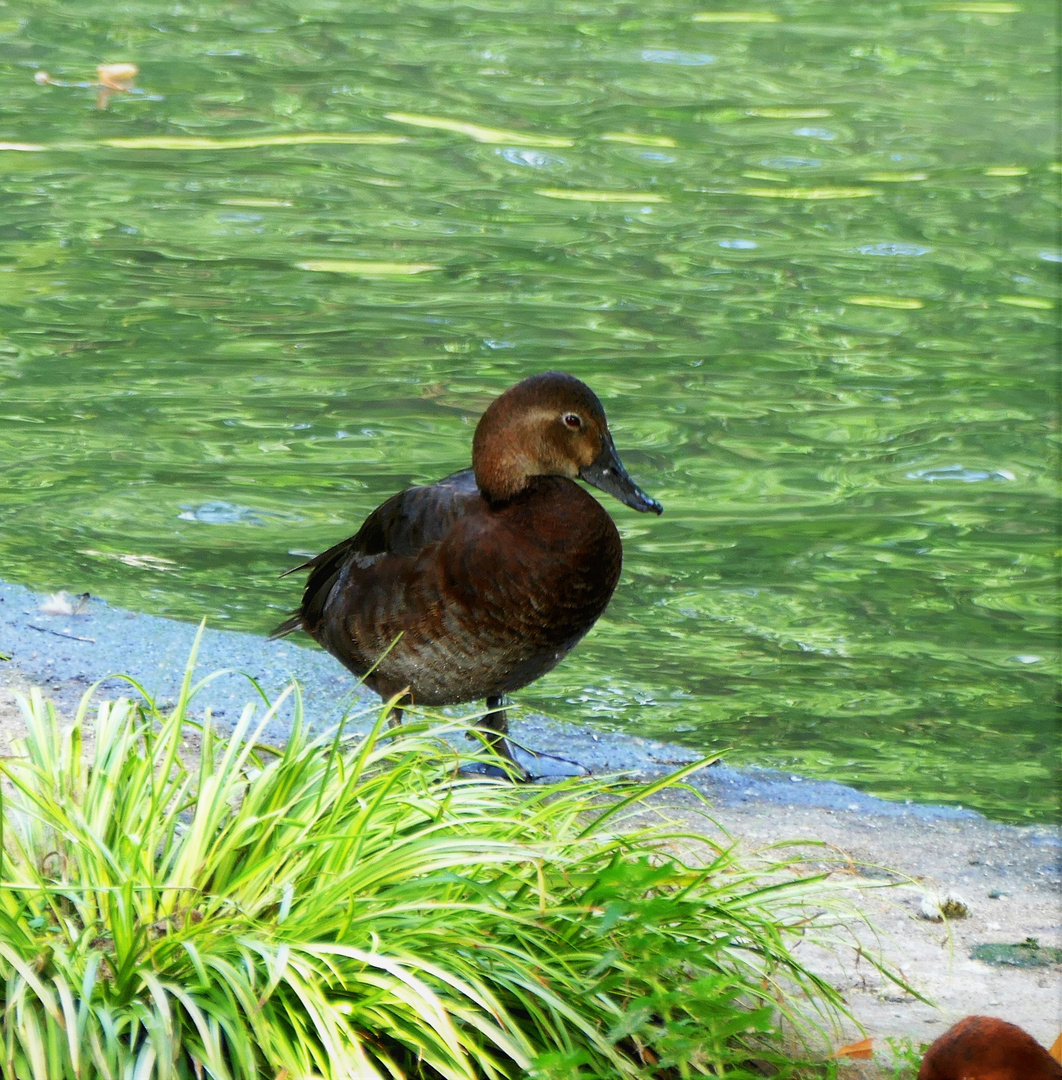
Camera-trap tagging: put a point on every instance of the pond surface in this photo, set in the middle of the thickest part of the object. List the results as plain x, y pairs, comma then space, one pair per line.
805, 252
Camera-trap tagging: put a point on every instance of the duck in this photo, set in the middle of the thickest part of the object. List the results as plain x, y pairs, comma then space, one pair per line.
473, 587
986, 1048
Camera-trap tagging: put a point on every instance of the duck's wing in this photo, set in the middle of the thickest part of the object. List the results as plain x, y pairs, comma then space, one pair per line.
402, 526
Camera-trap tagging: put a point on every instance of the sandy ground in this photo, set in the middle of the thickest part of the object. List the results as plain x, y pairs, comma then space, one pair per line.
1009, 878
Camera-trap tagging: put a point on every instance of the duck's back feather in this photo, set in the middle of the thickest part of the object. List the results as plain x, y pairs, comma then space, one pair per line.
403, 525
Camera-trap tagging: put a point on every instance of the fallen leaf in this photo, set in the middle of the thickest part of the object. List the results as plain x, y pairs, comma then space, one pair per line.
736, 17
117, 76
602, 196
1037, 303
900, 303
789, 114
894, 177
633, 138
807, 193
864, 1049
478, 131
1056, 1049
198, 142
363, 268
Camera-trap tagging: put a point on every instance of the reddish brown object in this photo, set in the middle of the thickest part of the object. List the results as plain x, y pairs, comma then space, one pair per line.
984, 1048
476, 585
862, 1050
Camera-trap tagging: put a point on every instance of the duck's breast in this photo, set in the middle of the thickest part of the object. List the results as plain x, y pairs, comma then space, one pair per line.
496, 602
548, 560
519, 585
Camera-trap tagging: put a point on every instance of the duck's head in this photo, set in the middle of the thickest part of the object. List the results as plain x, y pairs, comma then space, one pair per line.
550, 425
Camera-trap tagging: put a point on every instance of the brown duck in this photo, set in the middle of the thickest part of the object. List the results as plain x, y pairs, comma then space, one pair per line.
476, 585
986, 1048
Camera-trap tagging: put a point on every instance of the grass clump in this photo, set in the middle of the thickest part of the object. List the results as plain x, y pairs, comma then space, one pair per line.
359, 909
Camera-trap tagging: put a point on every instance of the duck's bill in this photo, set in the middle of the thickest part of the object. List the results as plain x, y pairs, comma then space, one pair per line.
606, 472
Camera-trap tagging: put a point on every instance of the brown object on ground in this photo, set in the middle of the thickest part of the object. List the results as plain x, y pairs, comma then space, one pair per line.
984, 1048
862, 1050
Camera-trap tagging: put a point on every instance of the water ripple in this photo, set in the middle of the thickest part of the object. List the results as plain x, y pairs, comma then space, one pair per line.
535, 158
676, 56
218, 512
894, 249
960, 473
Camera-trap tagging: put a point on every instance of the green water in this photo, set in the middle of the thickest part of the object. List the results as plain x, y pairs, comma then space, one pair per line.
808, 262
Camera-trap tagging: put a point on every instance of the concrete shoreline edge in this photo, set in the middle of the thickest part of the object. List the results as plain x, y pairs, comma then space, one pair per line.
65, 654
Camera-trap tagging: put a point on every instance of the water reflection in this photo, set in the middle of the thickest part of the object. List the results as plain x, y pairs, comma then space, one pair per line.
534, 158
960, 473
218, 512
790, 161
676, 56
894, 249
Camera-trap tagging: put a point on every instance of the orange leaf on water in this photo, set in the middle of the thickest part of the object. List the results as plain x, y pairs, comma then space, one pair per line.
862, 1049
117, 76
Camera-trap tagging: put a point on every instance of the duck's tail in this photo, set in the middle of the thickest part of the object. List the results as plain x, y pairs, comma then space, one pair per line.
287, 626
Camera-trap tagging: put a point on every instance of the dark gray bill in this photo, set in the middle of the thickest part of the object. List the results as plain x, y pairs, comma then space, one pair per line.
606, 472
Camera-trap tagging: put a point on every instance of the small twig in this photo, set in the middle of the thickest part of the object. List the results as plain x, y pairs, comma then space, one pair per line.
59, 633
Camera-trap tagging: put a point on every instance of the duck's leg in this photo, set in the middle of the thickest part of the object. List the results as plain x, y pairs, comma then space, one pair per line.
496, 722
401, 698
496, 725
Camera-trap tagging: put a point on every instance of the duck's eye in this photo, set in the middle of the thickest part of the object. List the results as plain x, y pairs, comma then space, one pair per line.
573, 420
